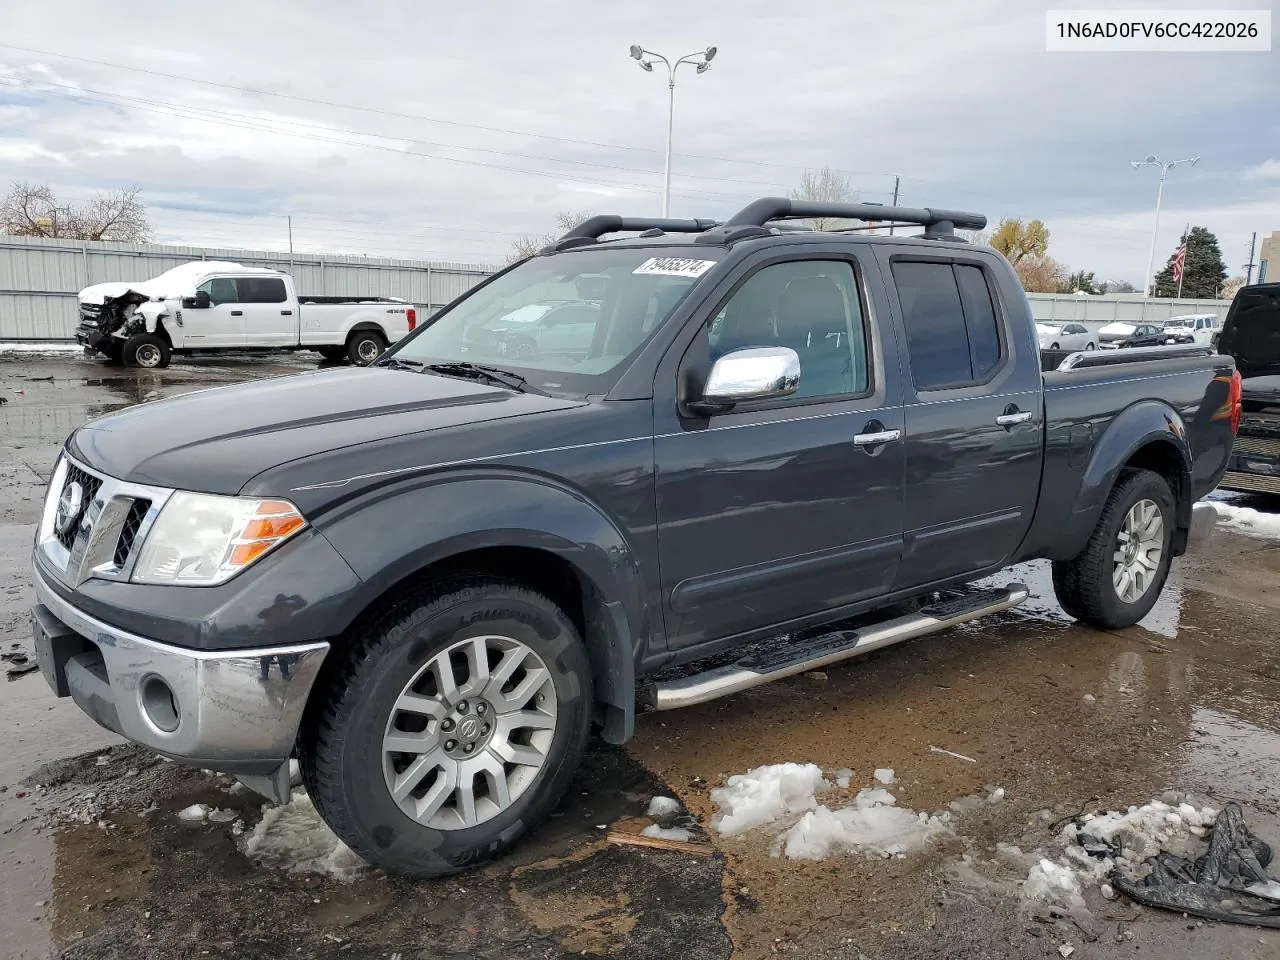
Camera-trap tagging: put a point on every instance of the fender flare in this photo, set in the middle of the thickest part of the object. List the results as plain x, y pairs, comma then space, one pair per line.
388, 533
365, 325
1145, 424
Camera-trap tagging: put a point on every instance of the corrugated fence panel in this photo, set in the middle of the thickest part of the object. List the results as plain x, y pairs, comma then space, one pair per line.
1115, 307
39, 278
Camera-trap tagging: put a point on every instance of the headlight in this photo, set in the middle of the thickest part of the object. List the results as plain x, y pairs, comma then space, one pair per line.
201, 540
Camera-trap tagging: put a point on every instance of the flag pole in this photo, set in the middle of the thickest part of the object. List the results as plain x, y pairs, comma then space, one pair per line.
1186, 239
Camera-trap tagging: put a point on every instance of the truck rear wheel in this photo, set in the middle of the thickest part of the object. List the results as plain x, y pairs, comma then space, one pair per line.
365, 346
449, 728
145, 350
1116, 580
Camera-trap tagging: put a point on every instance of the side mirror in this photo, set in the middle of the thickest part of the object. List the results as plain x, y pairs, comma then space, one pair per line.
756, 373
201, 300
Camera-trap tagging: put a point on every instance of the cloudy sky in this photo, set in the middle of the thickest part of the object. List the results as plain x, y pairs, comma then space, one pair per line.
446, 130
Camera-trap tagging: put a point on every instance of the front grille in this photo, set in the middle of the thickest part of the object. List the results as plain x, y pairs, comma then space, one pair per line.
89, 486
124, 546
1264, 446
1234, 480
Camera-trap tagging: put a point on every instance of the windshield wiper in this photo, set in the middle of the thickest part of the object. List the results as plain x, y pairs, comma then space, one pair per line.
400, 363
476, 371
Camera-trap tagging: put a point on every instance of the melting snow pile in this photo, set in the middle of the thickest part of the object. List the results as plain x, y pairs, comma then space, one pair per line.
873, 824
660, 807
1248, 521
1050, 882
294, 837
764, 794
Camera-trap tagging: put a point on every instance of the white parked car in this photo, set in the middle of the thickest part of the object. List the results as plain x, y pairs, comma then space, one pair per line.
1065, 336
217, 305
1202, 326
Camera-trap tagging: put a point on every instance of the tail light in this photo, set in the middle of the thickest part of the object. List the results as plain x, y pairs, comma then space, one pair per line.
412, 314
1235, 398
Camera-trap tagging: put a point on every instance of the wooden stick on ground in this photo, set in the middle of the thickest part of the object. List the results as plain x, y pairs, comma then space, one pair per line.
624, 839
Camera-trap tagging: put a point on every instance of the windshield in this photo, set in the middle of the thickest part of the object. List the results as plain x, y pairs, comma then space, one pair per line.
566, 322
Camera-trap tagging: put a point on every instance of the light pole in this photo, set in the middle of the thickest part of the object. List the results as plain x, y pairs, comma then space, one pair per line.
702, 60
1165, 167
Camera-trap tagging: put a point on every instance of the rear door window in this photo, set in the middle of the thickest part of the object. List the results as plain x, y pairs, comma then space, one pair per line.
261, 290
953, 331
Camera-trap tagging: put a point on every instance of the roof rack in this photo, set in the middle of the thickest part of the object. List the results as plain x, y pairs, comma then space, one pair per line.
752, 219
593, 228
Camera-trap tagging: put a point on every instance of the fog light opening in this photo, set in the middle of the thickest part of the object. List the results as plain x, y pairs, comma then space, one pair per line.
159, 703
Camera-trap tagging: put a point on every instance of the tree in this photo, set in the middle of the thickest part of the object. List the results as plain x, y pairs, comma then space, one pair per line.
1231, 288
1118, 286
1080, 282
1039, 274
1017, 240
34, 210
528, 245
825, 186
1203, 271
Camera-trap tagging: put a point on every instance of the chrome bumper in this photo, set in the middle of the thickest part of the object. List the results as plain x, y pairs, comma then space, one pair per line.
231, 710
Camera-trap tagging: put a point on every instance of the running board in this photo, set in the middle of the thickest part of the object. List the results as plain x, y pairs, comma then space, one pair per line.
829, 648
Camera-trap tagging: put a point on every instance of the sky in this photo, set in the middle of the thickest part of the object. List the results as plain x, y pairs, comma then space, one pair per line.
446, 131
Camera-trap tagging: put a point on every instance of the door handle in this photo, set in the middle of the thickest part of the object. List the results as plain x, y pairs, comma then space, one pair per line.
1009, 419
876, 438
286, 313
237, 313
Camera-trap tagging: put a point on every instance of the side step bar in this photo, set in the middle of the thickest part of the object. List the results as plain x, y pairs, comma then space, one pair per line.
787, 661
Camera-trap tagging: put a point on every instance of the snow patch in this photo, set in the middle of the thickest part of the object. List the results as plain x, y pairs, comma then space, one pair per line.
873, 824
663, 807
1246, 520
666, 833
1055, 884
763, 794
294, 837
1141, 832
844, 776
51, 346
884, 775
196, 813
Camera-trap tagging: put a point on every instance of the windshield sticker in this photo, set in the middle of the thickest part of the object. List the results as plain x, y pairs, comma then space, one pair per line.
674, 267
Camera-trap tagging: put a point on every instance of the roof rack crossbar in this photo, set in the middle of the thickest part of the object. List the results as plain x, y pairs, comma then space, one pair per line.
593, 228
759, 212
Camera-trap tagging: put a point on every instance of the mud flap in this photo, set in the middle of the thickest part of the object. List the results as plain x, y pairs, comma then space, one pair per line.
274, 786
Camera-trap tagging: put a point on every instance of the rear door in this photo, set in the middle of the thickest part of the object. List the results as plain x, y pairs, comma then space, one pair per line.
974, 416
786, 508
222, 324
270, 320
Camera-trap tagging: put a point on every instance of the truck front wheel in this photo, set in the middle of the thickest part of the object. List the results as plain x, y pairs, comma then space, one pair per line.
1116, 580
364, 347
449, 727
145, 350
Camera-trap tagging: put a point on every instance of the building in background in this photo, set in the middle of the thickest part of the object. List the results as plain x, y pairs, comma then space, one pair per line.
1269, 258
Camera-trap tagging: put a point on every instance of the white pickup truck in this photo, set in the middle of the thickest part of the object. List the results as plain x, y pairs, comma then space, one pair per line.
217, 305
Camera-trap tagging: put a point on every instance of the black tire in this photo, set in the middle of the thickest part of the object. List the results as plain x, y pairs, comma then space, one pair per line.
365, 346
341, 745
1084, 584
146, 350
114, 350
332, 353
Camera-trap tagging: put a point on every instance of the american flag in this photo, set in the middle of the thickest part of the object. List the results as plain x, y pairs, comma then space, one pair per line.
1179, 261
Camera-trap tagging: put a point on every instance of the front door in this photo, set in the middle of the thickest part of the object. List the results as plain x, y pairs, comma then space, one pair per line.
973, 418
222, 324
776, 510
269, 319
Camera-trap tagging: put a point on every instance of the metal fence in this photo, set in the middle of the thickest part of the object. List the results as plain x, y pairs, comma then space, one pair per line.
39, 278
1133, 307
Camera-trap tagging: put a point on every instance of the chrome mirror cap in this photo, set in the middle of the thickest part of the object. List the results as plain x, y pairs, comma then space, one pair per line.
756, 373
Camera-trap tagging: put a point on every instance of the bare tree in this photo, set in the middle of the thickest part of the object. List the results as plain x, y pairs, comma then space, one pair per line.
1231, 288
34, 210
1039, 273
826, 186
528, 245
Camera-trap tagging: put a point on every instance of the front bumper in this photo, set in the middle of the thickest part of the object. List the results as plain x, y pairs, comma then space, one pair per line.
236, 711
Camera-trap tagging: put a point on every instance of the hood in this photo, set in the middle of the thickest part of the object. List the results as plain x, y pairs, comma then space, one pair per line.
215, 441
180, 281
1251, 332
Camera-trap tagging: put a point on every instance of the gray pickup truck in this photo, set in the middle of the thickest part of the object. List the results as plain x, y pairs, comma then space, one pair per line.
428, 579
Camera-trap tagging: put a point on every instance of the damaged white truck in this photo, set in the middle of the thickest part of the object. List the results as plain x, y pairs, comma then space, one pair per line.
217, 305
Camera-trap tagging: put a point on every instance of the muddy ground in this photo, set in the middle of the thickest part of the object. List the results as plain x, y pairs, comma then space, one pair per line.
95, 862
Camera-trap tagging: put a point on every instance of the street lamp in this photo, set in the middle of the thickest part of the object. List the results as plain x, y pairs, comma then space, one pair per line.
702, 61
1165, 166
